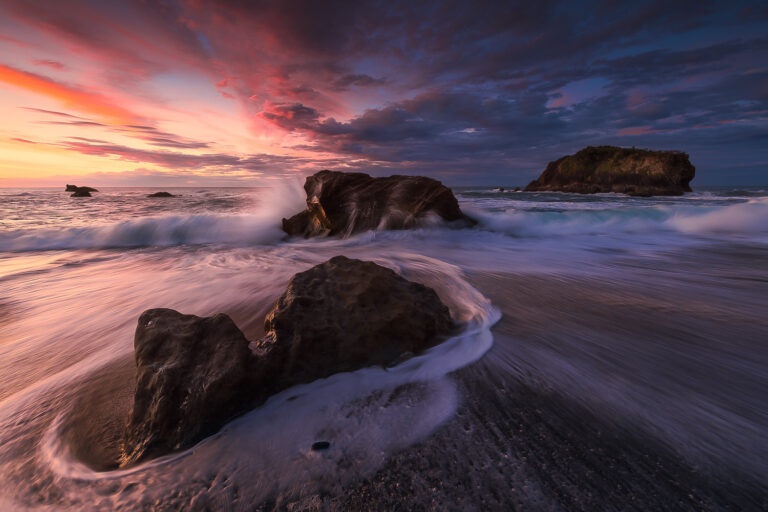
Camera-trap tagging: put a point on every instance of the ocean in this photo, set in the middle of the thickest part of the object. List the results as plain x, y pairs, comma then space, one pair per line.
615, 349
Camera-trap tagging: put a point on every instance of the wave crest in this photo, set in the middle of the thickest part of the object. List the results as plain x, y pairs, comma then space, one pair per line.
742, 219
149, 231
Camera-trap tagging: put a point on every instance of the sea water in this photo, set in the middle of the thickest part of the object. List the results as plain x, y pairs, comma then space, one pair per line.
75, 274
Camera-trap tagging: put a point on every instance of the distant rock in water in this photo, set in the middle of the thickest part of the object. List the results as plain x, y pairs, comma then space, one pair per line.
195, 374
499, 189
83, 192
340, 203
161, 194
636, 172
80, 191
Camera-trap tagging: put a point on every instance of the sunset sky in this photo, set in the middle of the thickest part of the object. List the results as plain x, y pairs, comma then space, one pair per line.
190, 92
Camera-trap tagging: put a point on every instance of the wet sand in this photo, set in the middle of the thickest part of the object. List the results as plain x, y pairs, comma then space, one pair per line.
527, 439
638, 387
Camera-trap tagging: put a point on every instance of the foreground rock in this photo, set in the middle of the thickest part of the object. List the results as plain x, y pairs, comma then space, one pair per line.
341, 203
636, 172
346, 314
70, 188
161, 194
195, 374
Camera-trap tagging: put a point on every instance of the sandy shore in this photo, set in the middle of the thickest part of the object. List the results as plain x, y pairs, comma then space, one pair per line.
619, 391
523, 440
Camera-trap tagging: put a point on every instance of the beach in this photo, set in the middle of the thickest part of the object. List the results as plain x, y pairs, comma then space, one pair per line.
614, 356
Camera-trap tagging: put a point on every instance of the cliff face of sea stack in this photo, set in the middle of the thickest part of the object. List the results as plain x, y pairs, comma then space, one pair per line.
636, 172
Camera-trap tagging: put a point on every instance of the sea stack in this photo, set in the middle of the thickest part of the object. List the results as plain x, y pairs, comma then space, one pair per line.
635, 172
340, 203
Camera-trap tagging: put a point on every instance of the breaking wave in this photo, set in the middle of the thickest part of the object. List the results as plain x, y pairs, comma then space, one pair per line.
743, 219
520, 219
150, 231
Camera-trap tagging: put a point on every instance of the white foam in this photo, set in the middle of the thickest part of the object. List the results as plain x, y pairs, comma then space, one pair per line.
366, 415
259, 225
748, 218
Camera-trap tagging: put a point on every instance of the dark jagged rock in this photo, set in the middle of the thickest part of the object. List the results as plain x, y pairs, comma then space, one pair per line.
161, 194
195, 374
340, 203
499, 189
80, 191
75, 188
636, 172
346, 314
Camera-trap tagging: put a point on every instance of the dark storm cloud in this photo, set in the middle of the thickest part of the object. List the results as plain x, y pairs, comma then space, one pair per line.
498, 75
344, 82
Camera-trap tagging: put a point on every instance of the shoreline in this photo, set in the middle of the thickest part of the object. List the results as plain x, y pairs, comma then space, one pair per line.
520, 439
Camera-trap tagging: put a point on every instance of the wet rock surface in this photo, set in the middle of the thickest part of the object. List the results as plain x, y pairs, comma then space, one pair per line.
79, 191
346, 314
161, 194
341, 203
195, 374
636, 172
83, 192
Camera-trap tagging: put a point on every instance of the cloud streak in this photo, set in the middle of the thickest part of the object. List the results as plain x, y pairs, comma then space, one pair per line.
73, 97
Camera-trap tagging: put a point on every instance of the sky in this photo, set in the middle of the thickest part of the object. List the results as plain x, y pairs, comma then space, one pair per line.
235, 92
